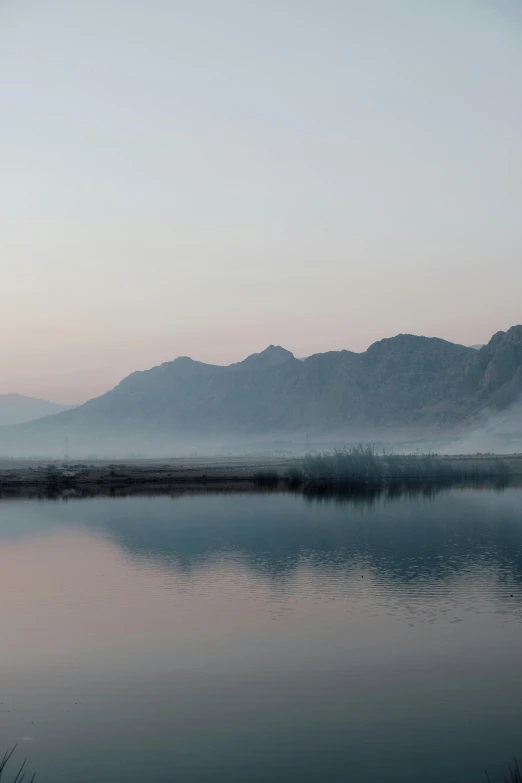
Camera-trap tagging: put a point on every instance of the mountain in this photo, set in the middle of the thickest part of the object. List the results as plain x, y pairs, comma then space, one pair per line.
16, 408
401, 388
477, 346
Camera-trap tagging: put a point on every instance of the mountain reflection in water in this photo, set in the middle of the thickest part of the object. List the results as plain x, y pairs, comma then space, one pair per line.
264, 637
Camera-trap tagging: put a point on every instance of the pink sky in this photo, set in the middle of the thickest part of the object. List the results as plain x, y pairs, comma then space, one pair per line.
211, 183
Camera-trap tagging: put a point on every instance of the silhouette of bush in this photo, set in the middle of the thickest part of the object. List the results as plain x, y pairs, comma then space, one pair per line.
502, 468
266, 478
361, 464
293, 477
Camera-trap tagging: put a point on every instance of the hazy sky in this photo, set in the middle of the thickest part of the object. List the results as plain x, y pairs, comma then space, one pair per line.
207, 177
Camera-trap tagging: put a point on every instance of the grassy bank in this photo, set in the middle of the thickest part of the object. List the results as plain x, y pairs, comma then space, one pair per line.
363, 466
358, 468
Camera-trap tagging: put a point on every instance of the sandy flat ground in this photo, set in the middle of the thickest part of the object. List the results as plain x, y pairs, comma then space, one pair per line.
147, 473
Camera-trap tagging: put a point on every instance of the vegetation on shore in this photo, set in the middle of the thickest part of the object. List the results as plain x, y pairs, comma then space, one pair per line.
362, 466
359, 469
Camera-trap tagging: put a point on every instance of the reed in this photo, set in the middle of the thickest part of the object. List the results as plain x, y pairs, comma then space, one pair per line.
513, 776
19, 776
362, 465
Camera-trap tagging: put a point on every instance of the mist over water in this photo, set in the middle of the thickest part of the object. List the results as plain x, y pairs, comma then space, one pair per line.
263, 637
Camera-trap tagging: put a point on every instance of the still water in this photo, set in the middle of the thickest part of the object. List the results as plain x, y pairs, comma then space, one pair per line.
263, 637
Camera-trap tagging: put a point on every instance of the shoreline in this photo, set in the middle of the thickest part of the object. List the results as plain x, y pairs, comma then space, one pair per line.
43, 478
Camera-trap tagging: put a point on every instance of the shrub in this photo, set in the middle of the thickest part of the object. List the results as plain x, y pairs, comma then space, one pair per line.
266, 478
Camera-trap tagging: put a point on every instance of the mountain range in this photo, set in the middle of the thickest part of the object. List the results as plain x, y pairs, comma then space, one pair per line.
401, 389
17, 408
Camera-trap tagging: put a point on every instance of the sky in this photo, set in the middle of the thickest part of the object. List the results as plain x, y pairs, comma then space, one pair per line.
206, 178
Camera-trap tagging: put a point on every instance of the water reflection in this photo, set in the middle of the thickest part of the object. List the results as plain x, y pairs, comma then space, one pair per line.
263, 637
419, 535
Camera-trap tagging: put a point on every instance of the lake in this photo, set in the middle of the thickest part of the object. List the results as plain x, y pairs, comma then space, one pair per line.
263, 637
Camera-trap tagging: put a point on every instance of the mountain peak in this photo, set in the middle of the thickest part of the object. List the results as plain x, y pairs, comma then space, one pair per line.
514, 333
512, 336
19, 408
407, 344
270, 357
406, 386
276, 350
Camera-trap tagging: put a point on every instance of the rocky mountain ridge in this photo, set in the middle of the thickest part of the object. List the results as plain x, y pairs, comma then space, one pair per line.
400, 386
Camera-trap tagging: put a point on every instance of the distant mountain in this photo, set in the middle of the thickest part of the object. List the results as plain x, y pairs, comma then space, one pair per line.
16, 408
477, 346
400, 388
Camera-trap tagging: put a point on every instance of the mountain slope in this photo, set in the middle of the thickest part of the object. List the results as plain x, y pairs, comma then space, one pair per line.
16, 408
401, 386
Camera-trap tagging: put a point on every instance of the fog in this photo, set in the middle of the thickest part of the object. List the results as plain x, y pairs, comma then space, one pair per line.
406, 394
18, 409
499, 433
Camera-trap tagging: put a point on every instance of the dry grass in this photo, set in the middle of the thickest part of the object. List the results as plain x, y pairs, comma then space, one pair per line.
513, 776
363, 466
19, 776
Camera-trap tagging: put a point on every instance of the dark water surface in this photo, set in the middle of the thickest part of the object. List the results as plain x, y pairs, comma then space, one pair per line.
255, 638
